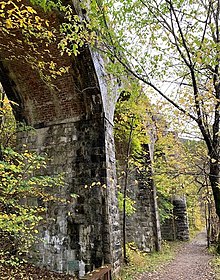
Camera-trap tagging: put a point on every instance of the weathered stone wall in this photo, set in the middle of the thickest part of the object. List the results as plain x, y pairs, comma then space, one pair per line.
87, 228
168, 231
177, 227
181, 219
142, 227
112, 215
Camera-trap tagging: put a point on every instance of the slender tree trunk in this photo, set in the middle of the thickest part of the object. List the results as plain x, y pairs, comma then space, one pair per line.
156, 219
124, 214
153, 189
125, 191
2, 97
214, 181
209, 224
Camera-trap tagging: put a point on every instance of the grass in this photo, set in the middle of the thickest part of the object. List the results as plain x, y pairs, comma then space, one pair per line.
146, 262
215, 263
216, 266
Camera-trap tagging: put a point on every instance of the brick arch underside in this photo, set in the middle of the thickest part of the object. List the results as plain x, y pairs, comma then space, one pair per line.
74, 95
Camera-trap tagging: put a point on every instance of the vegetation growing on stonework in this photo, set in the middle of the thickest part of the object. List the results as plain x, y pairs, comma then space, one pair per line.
28, 31
25, 191
131, 134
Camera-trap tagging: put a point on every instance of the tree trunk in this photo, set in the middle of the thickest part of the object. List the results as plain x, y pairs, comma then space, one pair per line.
125, 191
214, 181
2, 97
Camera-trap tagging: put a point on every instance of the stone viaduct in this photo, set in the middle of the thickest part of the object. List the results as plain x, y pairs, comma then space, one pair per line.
73, 123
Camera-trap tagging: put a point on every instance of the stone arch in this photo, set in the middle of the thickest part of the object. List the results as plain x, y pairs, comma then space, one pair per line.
72, 126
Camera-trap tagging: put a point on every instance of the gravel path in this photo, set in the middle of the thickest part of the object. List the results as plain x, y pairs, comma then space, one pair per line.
190, 263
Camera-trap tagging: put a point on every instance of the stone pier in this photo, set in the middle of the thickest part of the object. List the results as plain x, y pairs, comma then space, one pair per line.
176, 227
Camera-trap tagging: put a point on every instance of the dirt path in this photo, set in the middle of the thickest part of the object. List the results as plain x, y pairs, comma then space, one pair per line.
190, 263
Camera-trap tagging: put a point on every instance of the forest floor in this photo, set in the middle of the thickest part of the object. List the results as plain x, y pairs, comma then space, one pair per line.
192, 262
29, 272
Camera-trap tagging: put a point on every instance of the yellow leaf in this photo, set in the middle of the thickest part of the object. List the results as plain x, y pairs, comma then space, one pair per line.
31, 10
52, 65
3, 5
8, 23
50, 34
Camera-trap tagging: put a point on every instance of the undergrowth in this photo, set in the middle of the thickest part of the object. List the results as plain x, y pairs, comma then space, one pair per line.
215, 263
141, 262
216, 266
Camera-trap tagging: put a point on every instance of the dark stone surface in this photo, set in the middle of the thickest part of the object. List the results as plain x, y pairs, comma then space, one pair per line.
177, 227
87, 228
142, 226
